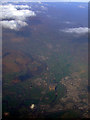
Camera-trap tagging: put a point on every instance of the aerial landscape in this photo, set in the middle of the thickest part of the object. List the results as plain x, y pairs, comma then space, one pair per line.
44, 60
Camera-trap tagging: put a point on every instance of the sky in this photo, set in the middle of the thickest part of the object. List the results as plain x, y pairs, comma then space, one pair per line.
45, 0
13, 16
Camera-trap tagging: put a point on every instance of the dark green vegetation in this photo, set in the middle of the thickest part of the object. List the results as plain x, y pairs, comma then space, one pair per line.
63, 115
36, 59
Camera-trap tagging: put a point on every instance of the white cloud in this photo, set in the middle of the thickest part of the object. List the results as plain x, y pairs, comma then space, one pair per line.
10, 11
81, 6
23, 6
79, 30
13, 24
17, 16
67, 22
39, 2
43, 7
